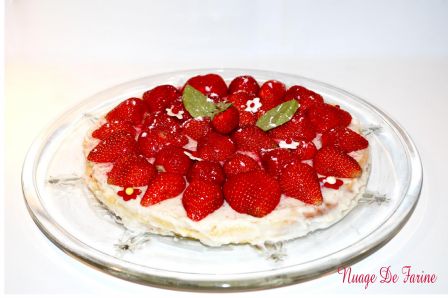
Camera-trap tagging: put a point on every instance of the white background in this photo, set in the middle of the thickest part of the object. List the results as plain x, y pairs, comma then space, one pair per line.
392, 53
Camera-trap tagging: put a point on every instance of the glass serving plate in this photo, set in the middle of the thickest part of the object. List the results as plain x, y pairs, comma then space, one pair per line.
69, 215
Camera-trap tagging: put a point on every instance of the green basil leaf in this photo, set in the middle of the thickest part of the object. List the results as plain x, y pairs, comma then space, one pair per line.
278, 115
197, 104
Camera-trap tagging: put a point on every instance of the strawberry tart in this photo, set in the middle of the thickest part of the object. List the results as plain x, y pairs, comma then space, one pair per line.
222, 163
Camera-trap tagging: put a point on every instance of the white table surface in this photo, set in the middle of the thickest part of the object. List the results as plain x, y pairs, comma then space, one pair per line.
392, 53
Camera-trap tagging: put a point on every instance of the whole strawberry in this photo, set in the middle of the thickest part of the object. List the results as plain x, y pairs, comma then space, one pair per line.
240, 163
271, 93
107, 129
215, 147
305, 150
164, 186
206, 171
161, 97
226, 121
275, 160
152, 141
131, 170
331, 161
244, 83
345, 139
305, 97
299, 181
211, 85
110, 149
255, 193
253, 139
196, 128
173, 159
299, 127
324, 117
132, 110
201, 198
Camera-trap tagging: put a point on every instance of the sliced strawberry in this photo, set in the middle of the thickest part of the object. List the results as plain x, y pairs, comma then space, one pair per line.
109, 128
324, 117
215, 147
164, 186
331, 161
305, 150
226, 121
271, 94
255, 193
244, 83
161, 97
201, 198
299, 181
206, 171
132, 110
253, 139
275, 160
240, 163
240, 100
196, 128
331, 182
173, 159
211, 85
305, 97
152, 141
299, 127
344, 138
111, 148
131, 170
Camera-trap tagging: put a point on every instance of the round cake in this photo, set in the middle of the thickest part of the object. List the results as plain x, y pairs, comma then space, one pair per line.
244, 162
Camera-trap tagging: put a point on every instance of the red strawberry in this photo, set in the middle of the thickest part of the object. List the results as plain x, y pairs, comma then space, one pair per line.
109, 128
215, 147
164, 186
160, 120
131, 170
275, 160
344, 139
132, 110
240, 163
324, 117
211, 85
299, 181
255, 193
331, 161
152, 141
161, 97
173, 159
299, 127
111, 148
253, 139
239, 100
201, 198
244, 83
226, 121
196, 128
271, 93
305, 150
206, 171
305, 97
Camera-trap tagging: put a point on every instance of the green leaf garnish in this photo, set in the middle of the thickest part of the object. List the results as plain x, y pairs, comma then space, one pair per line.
278, 115
198, 105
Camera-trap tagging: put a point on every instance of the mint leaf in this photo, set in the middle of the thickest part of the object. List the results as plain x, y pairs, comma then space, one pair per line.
197, 104
278, 115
